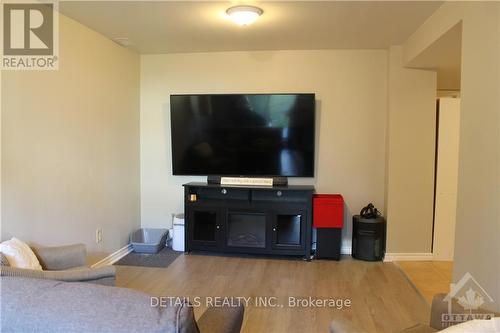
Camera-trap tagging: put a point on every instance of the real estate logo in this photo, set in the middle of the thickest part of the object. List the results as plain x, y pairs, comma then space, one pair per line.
470, 296
30, 34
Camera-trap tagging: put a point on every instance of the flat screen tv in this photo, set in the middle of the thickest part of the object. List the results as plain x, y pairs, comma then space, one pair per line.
243, 135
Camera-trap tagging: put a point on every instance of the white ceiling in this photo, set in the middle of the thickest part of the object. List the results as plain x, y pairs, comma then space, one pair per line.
173, 27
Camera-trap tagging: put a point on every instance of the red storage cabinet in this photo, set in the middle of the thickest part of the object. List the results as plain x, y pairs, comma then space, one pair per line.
328, 211
328, 219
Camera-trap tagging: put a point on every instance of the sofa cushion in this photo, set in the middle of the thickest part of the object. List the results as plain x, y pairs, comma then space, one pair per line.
222, 319
52, 306
78, 275
55, 258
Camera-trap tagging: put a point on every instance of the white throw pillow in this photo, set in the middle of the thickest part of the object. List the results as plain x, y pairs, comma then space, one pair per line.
19, 254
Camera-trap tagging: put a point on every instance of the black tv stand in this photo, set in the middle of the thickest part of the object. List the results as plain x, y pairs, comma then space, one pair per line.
248, 219
277, 181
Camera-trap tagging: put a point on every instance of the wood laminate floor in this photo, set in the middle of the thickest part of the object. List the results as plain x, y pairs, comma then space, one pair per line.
429, 277
382, 298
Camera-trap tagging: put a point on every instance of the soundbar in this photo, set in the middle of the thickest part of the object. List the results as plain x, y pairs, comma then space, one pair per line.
248, 181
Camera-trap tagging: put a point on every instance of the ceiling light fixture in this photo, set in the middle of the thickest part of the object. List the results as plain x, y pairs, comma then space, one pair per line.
244, 15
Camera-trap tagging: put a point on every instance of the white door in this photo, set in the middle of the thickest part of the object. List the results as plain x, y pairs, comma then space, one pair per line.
446, 178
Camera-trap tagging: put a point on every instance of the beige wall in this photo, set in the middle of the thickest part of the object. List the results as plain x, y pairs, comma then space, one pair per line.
446, 178
477, 246
351, 94
498, 153
70, 145
410, 157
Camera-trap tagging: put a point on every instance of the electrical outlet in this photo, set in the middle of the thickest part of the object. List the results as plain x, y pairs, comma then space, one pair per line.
98, 235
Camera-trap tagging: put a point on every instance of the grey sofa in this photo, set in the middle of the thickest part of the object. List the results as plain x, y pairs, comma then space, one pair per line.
438, 308
37, 305
63, 263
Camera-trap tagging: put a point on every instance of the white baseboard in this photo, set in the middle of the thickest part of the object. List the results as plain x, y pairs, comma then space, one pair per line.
113, 257
345, 249
408, 257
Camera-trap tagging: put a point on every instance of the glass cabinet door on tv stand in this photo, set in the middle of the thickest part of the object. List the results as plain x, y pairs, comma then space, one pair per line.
204, 229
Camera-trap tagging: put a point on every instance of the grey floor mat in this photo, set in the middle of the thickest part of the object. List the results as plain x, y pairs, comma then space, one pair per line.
161, 259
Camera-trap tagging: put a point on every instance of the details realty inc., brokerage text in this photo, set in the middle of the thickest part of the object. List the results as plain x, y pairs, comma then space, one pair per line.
256, 301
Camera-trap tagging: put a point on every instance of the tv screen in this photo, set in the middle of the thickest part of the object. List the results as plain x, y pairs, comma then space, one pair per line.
243, 134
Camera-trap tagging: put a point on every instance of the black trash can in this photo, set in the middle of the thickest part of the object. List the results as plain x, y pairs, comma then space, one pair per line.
368, 237
328, 243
